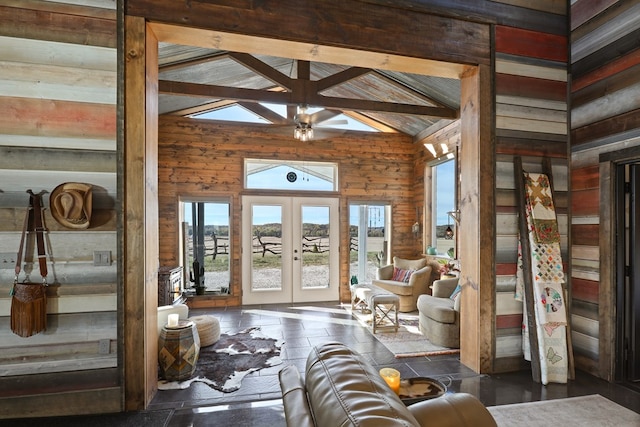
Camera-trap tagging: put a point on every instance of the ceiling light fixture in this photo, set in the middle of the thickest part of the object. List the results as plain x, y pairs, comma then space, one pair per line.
303, 132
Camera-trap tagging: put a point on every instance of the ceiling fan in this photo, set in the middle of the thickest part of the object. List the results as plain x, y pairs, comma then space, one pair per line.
305, 122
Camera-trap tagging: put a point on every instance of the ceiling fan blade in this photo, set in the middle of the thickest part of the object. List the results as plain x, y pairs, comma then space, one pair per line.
320, 133
323, 115
332, 123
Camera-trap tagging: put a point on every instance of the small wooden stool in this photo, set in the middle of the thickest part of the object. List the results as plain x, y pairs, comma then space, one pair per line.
385, 305
208, 329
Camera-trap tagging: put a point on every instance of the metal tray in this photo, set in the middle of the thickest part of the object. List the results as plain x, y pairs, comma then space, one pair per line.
420, 388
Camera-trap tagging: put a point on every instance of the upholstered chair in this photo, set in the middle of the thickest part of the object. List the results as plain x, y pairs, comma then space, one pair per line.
408, 279
439, 313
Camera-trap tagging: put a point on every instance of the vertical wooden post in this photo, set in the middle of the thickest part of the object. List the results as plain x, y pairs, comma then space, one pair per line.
477, 220
140, 214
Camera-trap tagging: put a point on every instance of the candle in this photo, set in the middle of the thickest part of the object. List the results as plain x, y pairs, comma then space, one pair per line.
392, 378
172, 321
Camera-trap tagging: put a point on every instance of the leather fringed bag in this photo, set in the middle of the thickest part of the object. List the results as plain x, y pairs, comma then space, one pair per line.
29, 299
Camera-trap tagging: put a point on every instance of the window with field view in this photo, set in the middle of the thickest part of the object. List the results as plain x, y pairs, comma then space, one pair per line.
206, 245
369, 239
443, 202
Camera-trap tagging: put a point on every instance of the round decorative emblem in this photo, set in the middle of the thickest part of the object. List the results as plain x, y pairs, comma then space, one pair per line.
291, 177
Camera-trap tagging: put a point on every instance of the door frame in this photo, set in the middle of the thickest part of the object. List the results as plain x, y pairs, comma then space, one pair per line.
291, 214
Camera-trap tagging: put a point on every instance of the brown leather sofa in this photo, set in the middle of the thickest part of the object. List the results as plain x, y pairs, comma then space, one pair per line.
341, 388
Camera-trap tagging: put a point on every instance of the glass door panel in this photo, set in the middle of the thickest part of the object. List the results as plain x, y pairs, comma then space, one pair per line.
315, 247
315, 238
266, 247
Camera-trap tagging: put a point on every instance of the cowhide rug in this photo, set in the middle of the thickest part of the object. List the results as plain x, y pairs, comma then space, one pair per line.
224, 364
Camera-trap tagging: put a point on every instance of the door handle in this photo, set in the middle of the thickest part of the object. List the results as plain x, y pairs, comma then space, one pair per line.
295, 258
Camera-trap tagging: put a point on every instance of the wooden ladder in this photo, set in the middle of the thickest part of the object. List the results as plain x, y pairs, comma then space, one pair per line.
527, 272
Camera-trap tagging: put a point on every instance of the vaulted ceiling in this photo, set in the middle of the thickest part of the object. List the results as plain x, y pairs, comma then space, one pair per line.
195, 80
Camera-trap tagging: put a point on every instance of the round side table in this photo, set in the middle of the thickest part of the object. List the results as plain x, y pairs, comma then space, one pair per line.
178, 351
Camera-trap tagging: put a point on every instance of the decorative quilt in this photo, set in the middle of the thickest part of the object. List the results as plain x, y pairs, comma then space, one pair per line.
543, 223
547, 278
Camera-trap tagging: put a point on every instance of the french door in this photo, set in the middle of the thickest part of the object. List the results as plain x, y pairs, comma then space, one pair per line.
289, 249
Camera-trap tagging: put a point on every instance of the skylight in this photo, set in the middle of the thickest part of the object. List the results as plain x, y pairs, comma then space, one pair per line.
237, 113
232, 113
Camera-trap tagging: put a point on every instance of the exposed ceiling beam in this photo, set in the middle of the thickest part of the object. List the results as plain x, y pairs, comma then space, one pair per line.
304, 70
341, 77
262, 68
370, 122
302, 96
190, 36
203, 108
264, 112
192, 62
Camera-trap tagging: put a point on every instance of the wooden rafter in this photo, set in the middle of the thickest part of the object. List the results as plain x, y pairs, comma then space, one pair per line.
264, 112
266, 71
306, 95
300, 91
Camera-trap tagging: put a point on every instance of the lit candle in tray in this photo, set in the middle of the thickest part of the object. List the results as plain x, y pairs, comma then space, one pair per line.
172, 320
392, 377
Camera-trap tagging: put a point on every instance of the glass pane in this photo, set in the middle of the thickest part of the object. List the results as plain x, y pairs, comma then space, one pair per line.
445, 193
315, 246
266, 254
368, 230
211, 237
291, 175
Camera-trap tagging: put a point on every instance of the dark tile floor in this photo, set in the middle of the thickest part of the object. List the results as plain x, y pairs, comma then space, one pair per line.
257, 403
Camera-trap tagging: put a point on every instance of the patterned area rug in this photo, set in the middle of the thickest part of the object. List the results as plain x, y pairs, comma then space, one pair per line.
224, 364
408, 341
584, 411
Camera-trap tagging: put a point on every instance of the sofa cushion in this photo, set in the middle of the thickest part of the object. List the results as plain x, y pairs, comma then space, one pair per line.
409, 264
439, 309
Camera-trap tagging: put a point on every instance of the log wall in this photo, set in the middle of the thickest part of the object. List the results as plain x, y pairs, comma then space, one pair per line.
605, 119
58, 124
206, 159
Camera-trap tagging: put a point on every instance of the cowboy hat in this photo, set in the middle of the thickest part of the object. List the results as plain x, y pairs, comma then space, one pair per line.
70, 204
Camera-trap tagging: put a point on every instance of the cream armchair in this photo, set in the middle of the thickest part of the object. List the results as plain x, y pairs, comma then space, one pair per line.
408, 286
439, 313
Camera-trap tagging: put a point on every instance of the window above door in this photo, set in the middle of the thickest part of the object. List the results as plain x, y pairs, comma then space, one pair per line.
290, 175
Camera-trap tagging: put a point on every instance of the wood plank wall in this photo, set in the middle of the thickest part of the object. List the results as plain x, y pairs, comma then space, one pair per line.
605, 118
59, 59
531, 122
58, 124
206, 159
